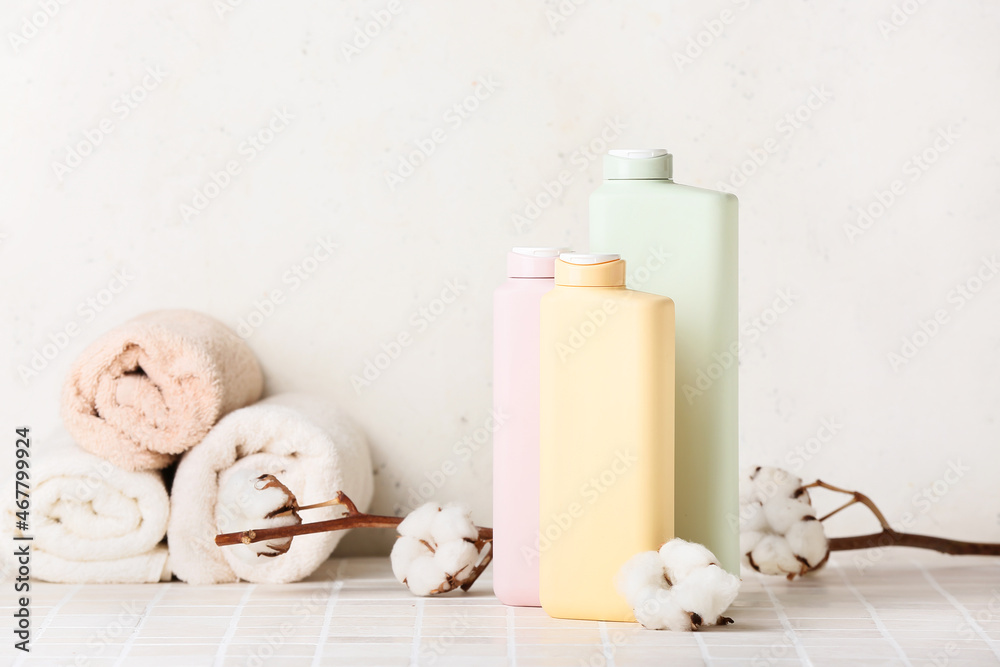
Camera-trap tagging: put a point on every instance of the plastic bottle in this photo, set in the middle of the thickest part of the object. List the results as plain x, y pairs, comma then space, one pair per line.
681, 241
516, 308
607, 397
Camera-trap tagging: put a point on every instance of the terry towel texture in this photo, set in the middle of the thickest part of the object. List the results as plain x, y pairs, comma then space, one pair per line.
92, 523
309, 445
151, 388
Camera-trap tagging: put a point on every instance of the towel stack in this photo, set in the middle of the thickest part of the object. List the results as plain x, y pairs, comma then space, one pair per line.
179, 385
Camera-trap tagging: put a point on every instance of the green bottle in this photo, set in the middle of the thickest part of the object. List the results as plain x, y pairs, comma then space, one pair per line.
681, 242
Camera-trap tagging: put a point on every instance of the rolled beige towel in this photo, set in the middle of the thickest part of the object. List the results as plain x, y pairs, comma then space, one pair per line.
310, 445
150, 389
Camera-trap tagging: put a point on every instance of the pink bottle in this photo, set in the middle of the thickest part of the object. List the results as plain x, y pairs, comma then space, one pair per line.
516, 330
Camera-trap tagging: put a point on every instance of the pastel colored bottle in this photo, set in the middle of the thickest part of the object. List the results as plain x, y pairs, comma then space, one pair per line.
681, 241
516, 314
607, 420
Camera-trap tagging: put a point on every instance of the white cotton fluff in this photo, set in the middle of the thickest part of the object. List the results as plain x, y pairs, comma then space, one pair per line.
251, 513
404, 552
748, 540
707, 592
453, 522
761, 483
656, 609
681, 558
641, 571
753, 517
783, 513
457, 557
807, 539
425, 577
418, 522
773, 555
696, 585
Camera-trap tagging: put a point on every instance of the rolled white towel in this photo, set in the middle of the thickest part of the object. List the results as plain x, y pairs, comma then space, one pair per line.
308, 444
91, 521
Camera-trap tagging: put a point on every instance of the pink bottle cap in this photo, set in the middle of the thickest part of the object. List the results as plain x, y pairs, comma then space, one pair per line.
532, 262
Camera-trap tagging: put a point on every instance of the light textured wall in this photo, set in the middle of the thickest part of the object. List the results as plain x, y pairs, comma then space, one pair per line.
808, 111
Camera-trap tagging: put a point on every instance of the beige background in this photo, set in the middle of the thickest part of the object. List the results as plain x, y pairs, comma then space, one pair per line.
808, 111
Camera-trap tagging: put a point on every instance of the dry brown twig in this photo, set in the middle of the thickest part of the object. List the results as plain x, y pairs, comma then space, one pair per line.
353, 518
888, 537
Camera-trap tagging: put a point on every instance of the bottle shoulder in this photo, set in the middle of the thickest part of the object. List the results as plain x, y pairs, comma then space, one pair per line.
664, 189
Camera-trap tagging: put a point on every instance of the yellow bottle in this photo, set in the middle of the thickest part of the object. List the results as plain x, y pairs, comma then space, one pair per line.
607, 434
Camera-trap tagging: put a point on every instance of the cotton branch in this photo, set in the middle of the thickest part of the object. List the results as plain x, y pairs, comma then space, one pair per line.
888, 537
353, 518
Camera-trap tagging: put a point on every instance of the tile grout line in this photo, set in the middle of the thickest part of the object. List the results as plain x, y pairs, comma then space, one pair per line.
417, 638
511, 643
607, 648
324, 632
49, 617
126, 647
874, 615
960, 607
220, 654
783, 619
703, 648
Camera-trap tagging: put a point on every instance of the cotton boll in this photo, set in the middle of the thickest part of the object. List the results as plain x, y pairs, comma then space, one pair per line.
772, 555
418, 522
404, 552
753, 517
453, 522
250, 501
424, 576
807, 539
707, 592
681, 558
783, 513
763, 483
269, 548
455, 558
749, 539
656, 609
640, 571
